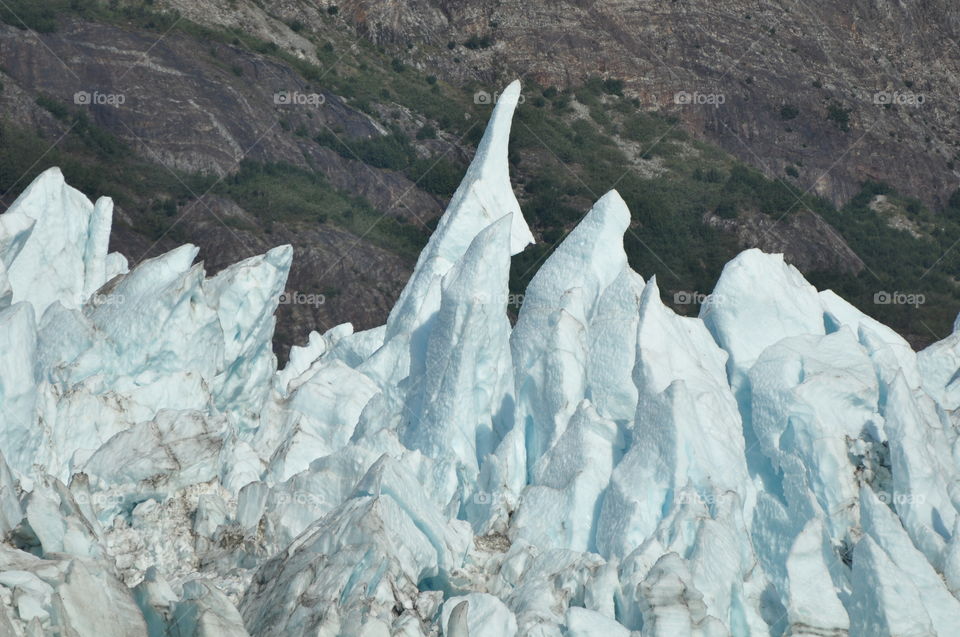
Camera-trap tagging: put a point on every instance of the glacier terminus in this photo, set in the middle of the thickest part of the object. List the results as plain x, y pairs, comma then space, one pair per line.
782, 464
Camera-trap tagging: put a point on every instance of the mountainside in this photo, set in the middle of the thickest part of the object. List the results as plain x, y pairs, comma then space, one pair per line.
784, 71
343, 130
781, 464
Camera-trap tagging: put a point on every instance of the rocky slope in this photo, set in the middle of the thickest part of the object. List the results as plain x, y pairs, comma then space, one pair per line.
202, 108
894, 67
353, 164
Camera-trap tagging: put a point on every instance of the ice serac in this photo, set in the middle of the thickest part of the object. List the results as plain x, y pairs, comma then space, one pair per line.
612, 348
923, 468
939, 366
483, 616
881, 524
883, 602
246, 296
759, 300
64, 257
813, 610
15, 228
20, 435
687, 432
175, 449
889, 351
10, 512
561, 507
66, 595
321, 412
399, 364
484, 195
582, 622
461, 407
807, 424
368, 556
205, 612
550, 343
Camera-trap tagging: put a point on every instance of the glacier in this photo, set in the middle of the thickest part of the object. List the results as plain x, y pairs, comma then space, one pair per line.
781, 464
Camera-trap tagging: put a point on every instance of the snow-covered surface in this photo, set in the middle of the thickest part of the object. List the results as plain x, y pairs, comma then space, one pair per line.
782, 464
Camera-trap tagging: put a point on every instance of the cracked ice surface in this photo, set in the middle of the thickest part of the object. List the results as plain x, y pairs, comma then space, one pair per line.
782, 464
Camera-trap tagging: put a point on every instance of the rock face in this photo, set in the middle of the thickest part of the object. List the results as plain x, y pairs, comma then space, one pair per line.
781, 464
186, 109
779, 69
895, 68
792, 237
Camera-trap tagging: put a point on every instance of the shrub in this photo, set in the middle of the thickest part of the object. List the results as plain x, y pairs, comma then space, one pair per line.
788, 112
613, 87
427, 132
726, 209
53, 106
29, 14
475, 42
954, 201
839, 115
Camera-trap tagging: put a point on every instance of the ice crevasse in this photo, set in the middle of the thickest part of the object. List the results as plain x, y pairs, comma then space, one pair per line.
780, 465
